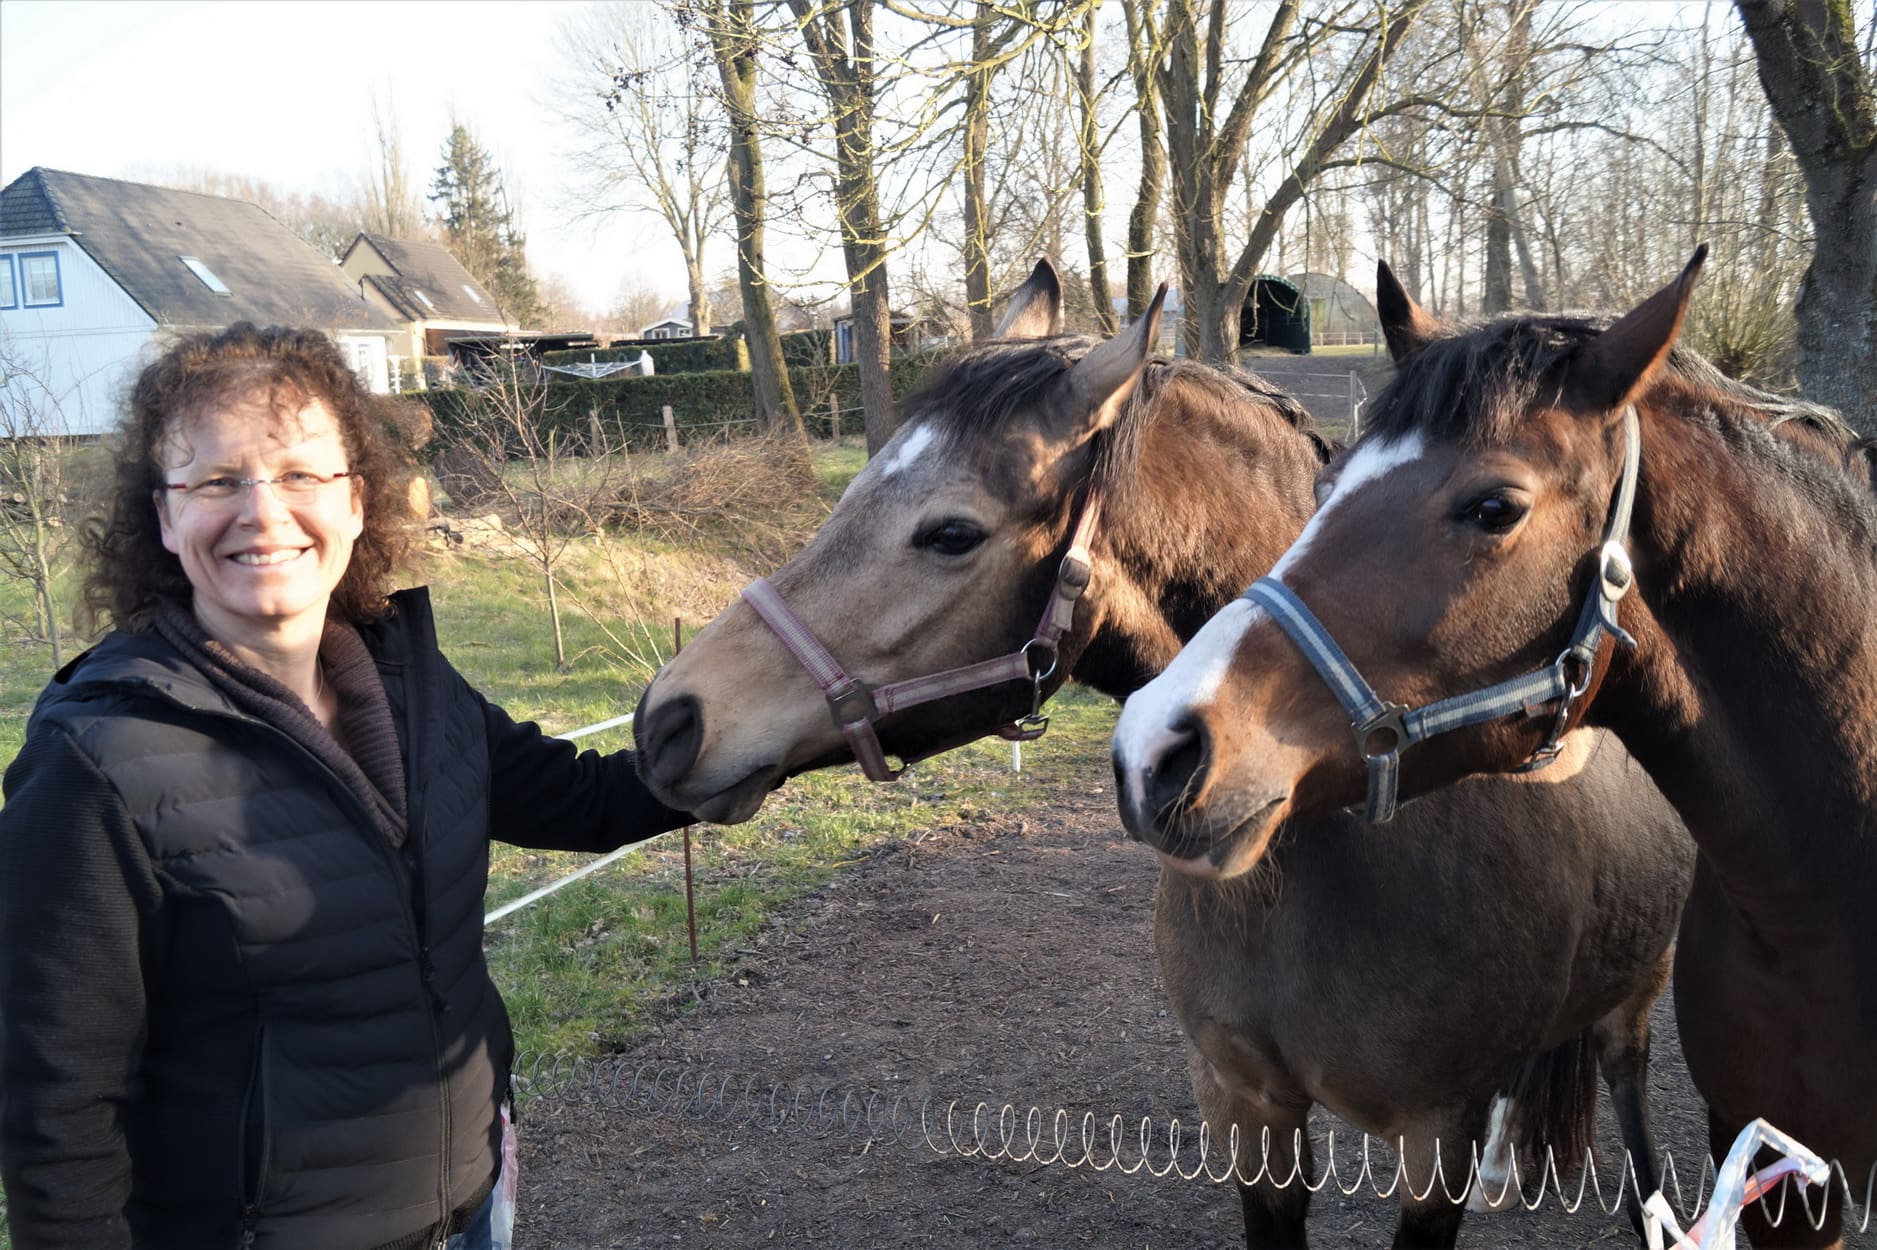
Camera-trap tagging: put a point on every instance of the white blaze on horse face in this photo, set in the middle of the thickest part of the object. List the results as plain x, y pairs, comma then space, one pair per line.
1367, 464
908, 452
1144, 731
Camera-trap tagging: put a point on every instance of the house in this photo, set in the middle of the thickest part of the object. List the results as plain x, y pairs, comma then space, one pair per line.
425, 288
676, 324
94, 271
907, 335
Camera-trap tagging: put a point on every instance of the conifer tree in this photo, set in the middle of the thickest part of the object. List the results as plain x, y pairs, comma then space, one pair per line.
479, 226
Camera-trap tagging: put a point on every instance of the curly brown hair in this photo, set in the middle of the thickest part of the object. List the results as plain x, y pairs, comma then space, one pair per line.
129, 572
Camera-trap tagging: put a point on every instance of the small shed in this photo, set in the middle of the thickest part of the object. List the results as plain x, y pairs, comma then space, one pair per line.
1276, 314
1339, 313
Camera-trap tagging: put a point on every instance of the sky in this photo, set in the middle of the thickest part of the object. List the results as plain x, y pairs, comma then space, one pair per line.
281, 91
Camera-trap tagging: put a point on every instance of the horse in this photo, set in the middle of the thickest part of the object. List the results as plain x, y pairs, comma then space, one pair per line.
1701, 560
1510, 935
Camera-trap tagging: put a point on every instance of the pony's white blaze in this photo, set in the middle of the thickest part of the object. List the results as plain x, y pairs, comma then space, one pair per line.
908, 452
1190, 681
1366, 464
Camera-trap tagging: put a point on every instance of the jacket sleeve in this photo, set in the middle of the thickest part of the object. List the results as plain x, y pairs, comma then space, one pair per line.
76, 895
547, 795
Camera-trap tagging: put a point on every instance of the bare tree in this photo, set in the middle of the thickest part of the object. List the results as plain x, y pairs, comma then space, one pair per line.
549, 483
1823, 89
730, 26
1090, 143
392, 206
1208, 129
651, 133
1145, 50
35, 455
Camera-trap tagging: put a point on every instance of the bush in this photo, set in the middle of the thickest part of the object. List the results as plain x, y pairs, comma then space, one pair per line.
806, 349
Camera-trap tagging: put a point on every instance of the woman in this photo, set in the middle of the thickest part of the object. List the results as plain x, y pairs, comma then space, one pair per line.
244, 849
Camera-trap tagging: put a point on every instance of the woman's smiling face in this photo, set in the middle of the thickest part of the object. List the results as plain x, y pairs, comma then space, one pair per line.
263, 563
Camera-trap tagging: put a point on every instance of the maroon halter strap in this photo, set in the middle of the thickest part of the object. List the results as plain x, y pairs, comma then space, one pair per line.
855, 705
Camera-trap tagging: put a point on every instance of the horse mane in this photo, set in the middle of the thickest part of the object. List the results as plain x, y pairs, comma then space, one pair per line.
1476, 386
1008, 378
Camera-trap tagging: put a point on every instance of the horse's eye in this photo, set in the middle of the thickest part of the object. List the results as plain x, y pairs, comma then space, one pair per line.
1495, 513
952, 538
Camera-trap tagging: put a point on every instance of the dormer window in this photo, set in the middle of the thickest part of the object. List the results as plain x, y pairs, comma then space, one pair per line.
471, 292
207, 275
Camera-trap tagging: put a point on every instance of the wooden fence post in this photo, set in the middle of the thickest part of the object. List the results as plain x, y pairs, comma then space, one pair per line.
834, 417
671, 429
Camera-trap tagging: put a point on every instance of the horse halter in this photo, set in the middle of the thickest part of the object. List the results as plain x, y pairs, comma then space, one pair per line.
856, 706
1564, 681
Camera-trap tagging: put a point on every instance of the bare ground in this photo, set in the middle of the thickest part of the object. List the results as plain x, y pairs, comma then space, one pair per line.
1009, 962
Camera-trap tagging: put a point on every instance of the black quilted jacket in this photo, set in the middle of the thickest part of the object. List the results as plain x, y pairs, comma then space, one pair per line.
231, 1012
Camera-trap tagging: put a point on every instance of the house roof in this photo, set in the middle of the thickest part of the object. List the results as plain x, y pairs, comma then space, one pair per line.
138, 234
449, 293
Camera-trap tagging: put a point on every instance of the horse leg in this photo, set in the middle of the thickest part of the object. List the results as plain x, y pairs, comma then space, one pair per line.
1274, 1156
1495, 1190
1781, 1220
1436, 1164
1622, 1039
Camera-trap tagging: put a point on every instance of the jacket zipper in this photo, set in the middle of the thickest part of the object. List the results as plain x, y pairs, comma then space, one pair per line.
254, 1144
411, 878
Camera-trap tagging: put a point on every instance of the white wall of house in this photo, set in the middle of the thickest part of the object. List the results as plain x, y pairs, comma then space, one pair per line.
368, 354
82, 351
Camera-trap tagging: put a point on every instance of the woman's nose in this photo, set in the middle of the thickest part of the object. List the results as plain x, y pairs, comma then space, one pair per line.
261, 503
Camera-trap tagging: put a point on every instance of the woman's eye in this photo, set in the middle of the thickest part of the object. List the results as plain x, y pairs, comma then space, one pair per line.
298, 478
1495, 513
953, 538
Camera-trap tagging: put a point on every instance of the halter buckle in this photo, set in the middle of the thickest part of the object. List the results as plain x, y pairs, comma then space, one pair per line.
1388, 720
1614, 571
851, 703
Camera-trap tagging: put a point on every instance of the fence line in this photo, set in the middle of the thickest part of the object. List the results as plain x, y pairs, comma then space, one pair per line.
1127, 1144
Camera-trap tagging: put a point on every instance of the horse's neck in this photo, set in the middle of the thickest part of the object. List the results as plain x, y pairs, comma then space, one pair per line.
1206, 512
1754, 699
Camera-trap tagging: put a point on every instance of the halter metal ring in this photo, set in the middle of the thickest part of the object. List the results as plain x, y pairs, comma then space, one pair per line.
1388, 721
1047, 648
851, 702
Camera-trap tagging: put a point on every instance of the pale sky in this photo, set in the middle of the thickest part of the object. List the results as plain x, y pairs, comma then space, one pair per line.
281, 90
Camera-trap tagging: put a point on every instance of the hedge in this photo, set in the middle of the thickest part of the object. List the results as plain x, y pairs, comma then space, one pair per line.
705, 355
702, 404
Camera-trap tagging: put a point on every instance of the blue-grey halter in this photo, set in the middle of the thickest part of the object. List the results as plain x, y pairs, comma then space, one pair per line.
1564, 680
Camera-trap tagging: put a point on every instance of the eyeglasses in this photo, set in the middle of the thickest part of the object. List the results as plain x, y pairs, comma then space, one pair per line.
296, 487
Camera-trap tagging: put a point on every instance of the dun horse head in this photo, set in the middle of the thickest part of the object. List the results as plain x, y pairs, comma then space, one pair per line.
942, 553
1453, 550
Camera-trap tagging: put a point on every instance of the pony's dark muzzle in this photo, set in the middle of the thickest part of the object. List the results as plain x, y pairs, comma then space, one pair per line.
669, 736
1170, 773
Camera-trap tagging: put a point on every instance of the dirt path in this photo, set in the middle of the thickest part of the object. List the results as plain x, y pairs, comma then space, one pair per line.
1010, 963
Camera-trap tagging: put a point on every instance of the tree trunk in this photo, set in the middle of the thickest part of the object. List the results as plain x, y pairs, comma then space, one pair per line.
1092, 199
847, 85
977, 142
733, 46
1143, 43
1821, 91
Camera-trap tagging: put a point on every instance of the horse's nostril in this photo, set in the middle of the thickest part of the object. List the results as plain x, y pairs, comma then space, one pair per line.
1171, 771
1179, 768
669, 737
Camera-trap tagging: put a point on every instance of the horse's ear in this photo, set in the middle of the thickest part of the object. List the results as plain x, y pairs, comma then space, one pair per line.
1035, 310
1100, 382
1405, 325
1618, 364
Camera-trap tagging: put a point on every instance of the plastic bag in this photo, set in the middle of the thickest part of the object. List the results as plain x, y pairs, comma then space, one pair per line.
507, 1181
1734, 1187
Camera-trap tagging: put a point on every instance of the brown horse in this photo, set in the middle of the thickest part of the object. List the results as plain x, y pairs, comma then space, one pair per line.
1401, 977
1729, 637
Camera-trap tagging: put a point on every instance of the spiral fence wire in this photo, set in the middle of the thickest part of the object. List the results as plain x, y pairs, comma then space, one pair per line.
1163, 1148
